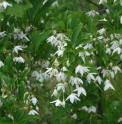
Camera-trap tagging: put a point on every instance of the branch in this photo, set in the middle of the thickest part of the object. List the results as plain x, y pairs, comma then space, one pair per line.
90, 1
82, 4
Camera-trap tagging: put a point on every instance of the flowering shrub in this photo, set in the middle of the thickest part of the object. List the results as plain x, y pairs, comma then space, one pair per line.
78, 54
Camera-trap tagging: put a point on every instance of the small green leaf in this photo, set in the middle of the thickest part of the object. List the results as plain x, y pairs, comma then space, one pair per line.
21, 89
24, 74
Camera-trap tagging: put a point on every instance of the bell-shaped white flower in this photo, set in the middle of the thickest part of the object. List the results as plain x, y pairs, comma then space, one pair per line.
98, 79
34, 101
92, 109
73, 97
80, 90
75, 80
17, 48
1, 64
61, 86
102, 1
33, 112
57, 102
5, 4
101, 31
84, 108
90, 77
55, 93
81, 69
108, 85
74, 116
61, 77
18, 59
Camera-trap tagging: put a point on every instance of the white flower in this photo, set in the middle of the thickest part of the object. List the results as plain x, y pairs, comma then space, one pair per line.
75, 80
18, 59
81, 69
121, 20
74, 116
73, 97
90, 76
17, 48
34, 101
104, 72
57, 102
101, 31
10, 116
118, 50
2, 34
84, 108
5, 4
63, 103
1, 64
61, 77
121, 2
1, 103
115, 69
80, 90
108, 85
98, 79
102, 1
18, 1
22, 35
52, 40
52, 71
33, 112
61, 86
56, 63
55, 93
119, 120
92, 13
92, 109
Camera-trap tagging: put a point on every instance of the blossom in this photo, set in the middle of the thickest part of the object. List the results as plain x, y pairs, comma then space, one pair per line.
18, 59
1, 64
55, 93
61, 86
108, 85
75, 80
92, 109
10, 116
1, 103
52, 71
61, 77
18, 1
73, 97
121, 20
57, 102
119, 120
5, 4
84, 108
80, 90
101, 31
118, 50
102, 1
81, 69
17, 48
74, 116
2, 34
34, 100
115, 69
33, 112
98, 79
92, 13
52, 40
90, 76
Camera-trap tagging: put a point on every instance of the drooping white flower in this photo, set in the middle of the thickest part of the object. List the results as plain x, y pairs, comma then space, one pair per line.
90, 77
56, 63
80, 90
61, 77
119, 120
18, 1
1, 64
52, 71
108, 85
57, 102
5, 4
2, 34
72, 97
121, 20
84, 108
18, 59
118, 50
75, 80
52, 40
34, 100
92, 109
63, 103
33, 112
17, 48
92, 13
102, 1
116, 68
10, 116
81, 69
98, 79
55, 93
74, 116
61, 86
101, 31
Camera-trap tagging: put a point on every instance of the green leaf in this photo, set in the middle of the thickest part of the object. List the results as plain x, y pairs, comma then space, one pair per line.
75, 34
26, 118
5, 121
24, 74
21, 89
